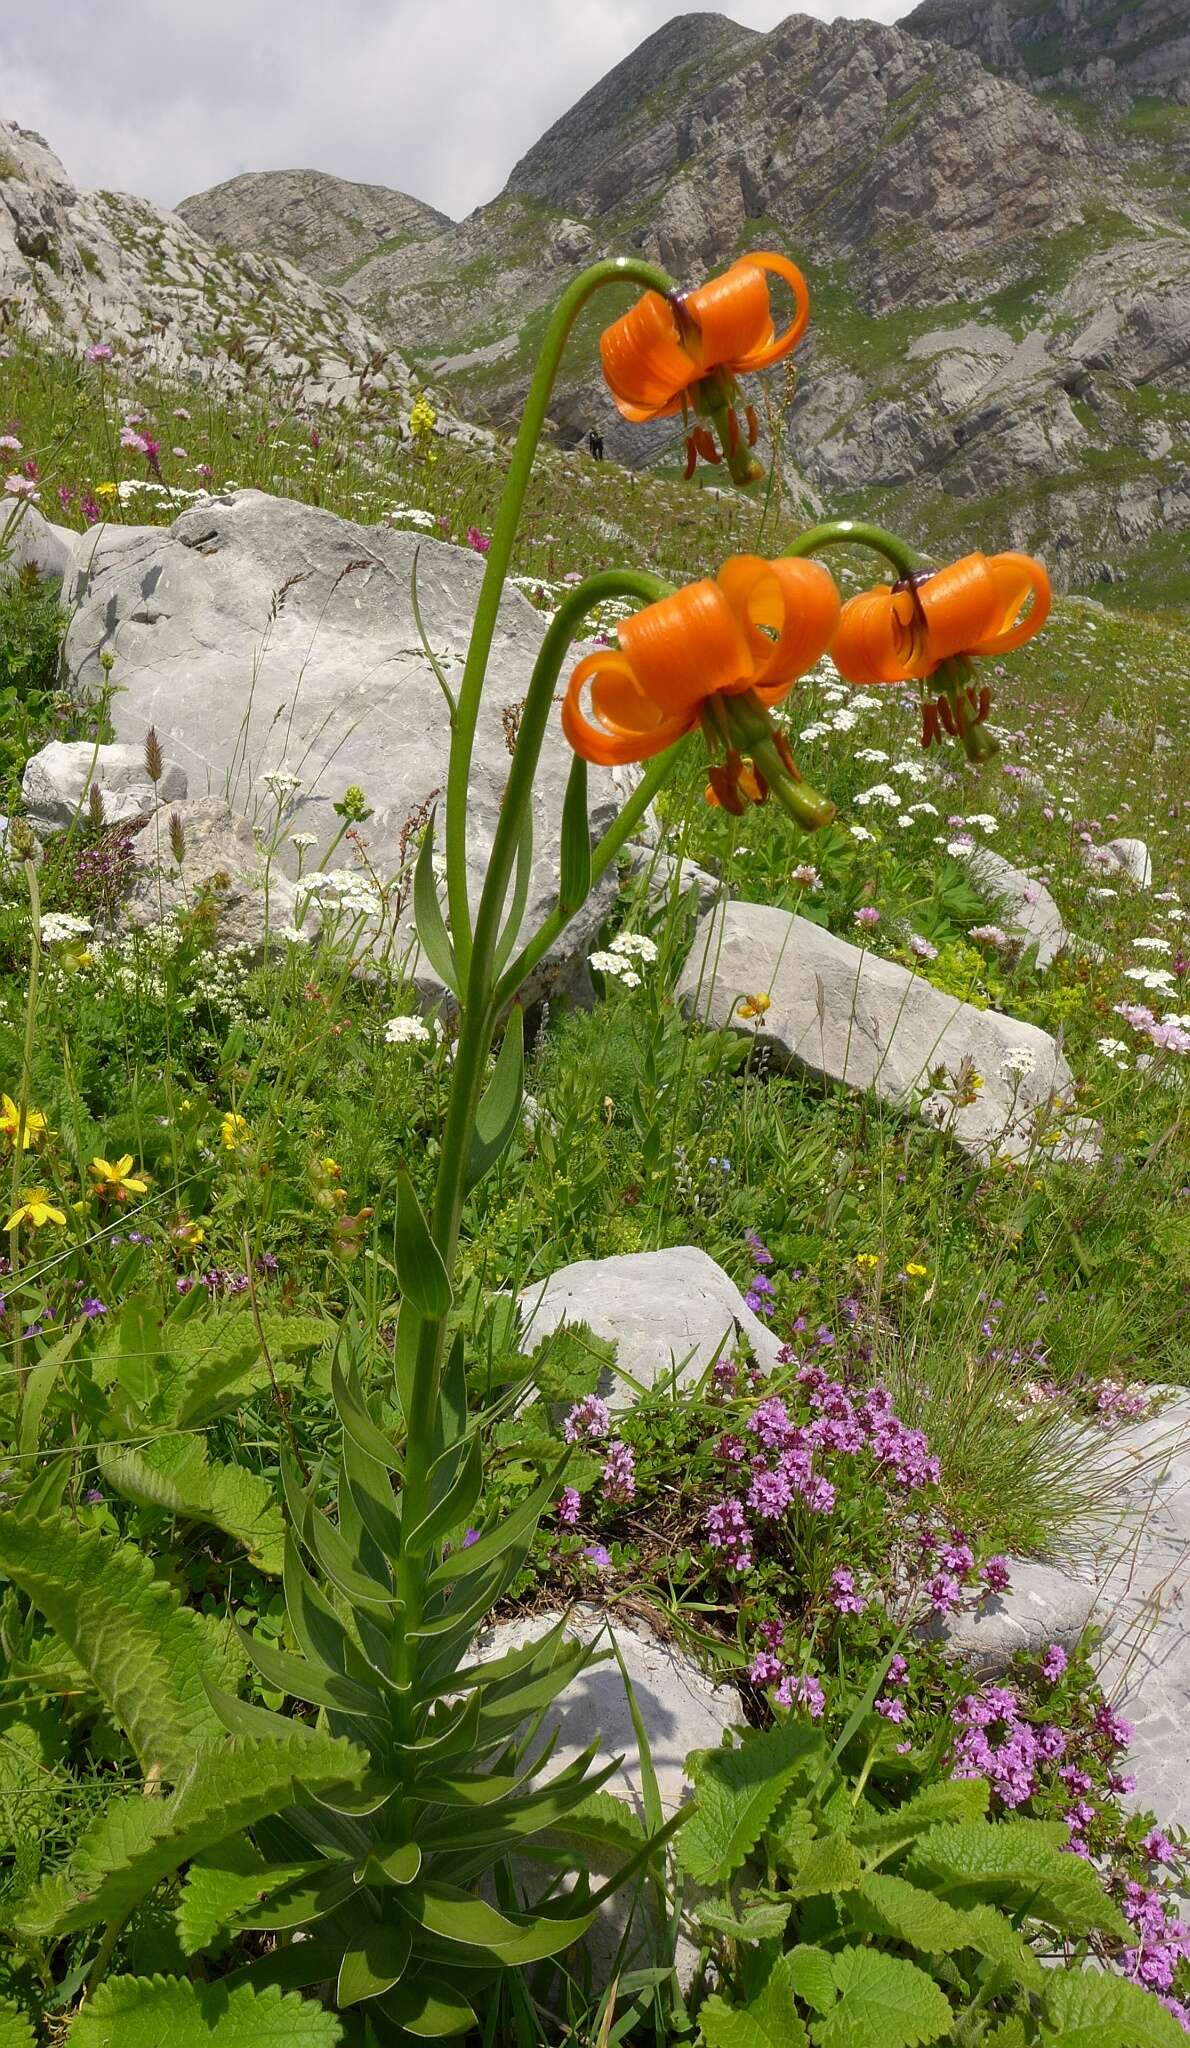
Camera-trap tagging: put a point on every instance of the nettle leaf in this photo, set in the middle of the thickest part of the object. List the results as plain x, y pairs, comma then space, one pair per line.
830, 1865
756, 1923
222, 1885
215, 1361
900, 1909
1023, 1865
950, 1799
170, 2012
768, 2021
810, 1975
15, 2029
884, 2002
739, 1790
138, 1841
144, 1653
175, 1474
1086, 2009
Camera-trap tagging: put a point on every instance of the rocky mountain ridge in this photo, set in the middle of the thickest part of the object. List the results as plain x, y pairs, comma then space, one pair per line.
322, 224
1135, 45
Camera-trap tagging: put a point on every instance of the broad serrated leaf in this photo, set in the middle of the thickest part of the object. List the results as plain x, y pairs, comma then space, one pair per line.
145, 1654
933, 1927
574, 863
216, 1361
499, 1109
830, 1864
1024, 1866
230, 1784
739, 1790
884, 2002
427, 915
15, 2030
810, 1976
767, 2021
1088, 2009
949, 1799
175, 1474
171, 2012
219, 1886
421, 1275
760, 1922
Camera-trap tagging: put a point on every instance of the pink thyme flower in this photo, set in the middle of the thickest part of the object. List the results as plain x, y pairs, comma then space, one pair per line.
99, 352
1054, 1663
995, 1575
589, 1418
892, 1710
569, 1506
619, 1474
764, 1669
843, 1596
807, 1692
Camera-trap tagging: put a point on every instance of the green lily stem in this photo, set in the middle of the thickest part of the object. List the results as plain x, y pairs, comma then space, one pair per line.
616, 270
20, 1135
857, 533
480, 1012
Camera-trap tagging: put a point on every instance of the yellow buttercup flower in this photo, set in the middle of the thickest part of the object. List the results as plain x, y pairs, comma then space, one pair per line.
754, 1006
35, 1126
915, 1271
106, 490
35, 1207
116, 1180
234, 1131
866, 1261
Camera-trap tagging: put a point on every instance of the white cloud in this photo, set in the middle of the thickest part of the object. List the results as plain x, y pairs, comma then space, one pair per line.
165, 98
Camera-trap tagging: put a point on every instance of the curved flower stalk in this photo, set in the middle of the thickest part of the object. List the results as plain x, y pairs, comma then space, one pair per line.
682, 352
719, 653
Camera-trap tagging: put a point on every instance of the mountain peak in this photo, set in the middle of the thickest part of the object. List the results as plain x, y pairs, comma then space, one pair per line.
325, 225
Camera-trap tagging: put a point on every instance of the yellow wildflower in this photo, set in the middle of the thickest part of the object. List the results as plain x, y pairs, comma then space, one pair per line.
106, 490
115, 1178
234, 1131
866, 1260
35, 1124
915, 1271
754, 1006
36, 1208
331, 1167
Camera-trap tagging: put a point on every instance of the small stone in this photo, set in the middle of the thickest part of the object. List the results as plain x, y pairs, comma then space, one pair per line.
222, 863
1044, 1604
56, 783
1127, 856
1028, 907
661, 870
660, 1309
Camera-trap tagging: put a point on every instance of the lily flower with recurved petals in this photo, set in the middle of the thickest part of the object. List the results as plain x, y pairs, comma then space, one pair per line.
719, 653
929, 625
684, 353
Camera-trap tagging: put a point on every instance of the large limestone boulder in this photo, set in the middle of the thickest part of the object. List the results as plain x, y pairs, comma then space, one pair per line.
265, 638
1126, 857
57, 782
29, 540
661, 1310
1027, 906
860, 1021
1044, 1604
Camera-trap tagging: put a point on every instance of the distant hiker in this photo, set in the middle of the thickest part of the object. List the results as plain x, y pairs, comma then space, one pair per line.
595, 444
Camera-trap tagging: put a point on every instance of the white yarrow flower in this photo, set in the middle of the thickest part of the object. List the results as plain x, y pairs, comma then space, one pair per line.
407, 1031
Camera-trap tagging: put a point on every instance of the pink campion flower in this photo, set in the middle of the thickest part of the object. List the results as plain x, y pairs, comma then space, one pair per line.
1170, 1037
589, 1418
89, 507
477, 540
569, 1506
619, 1474
1054, 1663
867, 917
99, 352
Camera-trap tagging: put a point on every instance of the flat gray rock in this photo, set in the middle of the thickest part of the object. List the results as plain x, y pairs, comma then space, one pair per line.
681, 1711
263, 637
222, 861
29, 540
662, 872
661, 1309
57, 782
1044, 1604
1143, 1605
1028, 907
1128, 857
859, 1021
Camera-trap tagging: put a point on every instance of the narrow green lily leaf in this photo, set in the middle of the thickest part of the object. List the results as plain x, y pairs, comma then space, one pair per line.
376, 1963
574, 884
305, 1681
461, 1564
500, 1107
320, 1633
520, 892
352, 1413
427, 650
423, 1277
428, 2008
39, 1387
392, 1866
427, 916
370, 1494
455, 1505
453, 1413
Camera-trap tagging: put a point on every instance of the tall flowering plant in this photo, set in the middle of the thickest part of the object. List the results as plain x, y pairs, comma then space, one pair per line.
388, 1828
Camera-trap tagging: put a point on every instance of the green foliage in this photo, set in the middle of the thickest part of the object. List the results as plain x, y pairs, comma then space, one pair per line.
898, 1918
31, 626
169, 2012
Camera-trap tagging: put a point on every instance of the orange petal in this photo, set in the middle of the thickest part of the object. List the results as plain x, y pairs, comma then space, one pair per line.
788, 611
1016, 578
773, 348
626, 725
646, 362
686, 646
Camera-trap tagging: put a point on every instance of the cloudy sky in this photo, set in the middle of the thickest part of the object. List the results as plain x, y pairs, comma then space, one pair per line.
436, 97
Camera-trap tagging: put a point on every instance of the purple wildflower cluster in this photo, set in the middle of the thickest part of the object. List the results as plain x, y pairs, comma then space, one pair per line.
1168, 1034
589, 1422
1020, 1756
760, 1294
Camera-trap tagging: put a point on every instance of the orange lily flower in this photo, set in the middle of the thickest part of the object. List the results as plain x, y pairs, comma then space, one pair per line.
932, 623
684, 353
719, 653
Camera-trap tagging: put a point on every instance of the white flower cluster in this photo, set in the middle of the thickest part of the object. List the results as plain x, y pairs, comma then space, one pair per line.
1158, 980
344, 890
617, 959
1151, 945
407, 1031
880, 793
57, 925
1017, 1062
